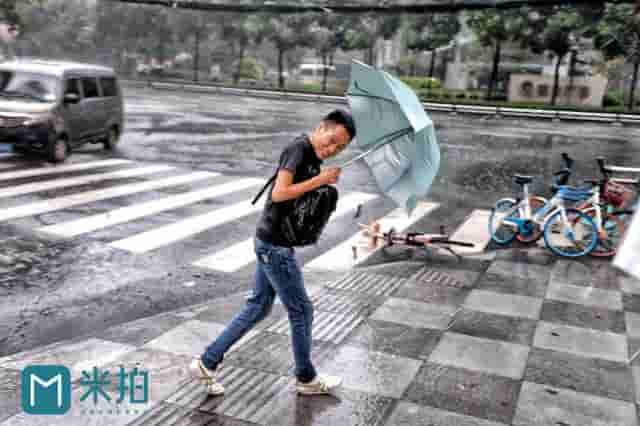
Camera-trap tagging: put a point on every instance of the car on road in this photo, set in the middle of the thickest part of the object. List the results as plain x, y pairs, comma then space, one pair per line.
53, 107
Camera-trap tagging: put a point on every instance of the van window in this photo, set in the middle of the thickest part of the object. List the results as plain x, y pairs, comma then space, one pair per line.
109, 87
90, 86
19, 84
72, 87
306, 72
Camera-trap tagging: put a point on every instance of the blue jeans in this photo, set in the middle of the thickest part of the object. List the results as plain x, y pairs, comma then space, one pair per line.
278, 273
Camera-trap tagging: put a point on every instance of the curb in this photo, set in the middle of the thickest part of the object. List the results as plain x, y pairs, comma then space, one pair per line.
499, 112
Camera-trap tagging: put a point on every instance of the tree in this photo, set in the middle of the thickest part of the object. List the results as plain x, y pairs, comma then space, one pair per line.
287, 32
618, 35
125, 29
241, 31
327, 33
193, 25
59, 28
363, 32
560, 31
495, 28
428, 33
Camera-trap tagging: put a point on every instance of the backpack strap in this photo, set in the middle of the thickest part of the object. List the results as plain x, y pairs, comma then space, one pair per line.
264, 188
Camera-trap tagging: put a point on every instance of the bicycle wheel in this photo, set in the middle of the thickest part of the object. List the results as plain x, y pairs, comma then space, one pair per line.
533, 230
503, 233
577, 237
610, 236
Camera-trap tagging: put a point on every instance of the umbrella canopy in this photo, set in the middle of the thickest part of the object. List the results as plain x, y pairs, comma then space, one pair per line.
396, 132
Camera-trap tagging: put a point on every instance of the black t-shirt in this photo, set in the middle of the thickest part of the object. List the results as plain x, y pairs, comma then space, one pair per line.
300, 159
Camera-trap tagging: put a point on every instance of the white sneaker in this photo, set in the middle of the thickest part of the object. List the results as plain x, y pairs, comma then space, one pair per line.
200, 372
321, 385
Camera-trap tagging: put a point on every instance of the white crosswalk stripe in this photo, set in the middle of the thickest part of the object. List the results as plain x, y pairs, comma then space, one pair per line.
4, 166
57, 169
341, 257
60, 203
129, 213
229, 259
168, 234
475, 230
29, 188
241, 254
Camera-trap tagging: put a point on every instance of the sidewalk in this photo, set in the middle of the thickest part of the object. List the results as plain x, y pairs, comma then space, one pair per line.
523, 339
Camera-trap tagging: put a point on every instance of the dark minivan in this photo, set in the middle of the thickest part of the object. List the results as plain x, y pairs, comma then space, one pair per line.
53, 107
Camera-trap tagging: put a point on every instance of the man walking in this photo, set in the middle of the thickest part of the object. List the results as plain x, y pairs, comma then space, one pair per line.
277, 269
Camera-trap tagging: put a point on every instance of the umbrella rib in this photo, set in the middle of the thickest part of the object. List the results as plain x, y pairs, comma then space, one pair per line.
368, 94
392, 137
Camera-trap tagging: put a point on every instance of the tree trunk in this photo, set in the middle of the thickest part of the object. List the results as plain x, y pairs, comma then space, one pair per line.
236, 77
280, 68
325, 72
634, 83
572, 70
196, 57
432, 67
371, 54
556, 81
494, 70
412, 68
331, 55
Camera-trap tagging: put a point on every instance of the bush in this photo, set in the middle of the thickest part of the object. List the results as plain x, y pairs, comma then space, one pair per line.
418, 83
250, 69
614, 98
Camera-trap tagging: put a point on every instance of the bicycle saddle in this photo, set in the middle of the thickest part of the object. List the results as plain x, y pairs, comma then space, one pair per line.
522, 180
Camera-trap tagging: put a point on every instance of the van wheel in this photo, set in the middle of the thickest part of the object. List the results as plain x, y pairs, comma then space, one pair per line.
112, 139
58, 150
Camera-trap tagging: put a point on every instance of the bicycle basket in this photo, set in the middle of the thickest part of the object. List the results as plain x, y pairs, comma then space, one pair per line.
619, 195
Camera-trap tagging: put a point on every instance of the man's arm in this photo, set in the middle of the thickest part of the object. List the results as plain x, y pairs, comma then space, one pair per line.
284, 189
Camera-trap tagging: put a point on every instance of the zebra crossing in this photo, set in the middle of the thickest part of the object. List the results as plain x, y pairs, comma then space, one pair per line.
155, 192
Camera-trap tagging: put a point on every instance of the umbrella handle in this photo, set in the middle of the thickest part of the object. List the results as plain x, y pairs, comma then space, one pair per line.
392, 137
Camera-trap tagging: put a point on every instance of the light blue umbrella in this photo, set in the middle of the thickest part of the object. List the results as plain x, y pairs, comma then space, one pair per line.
396, 133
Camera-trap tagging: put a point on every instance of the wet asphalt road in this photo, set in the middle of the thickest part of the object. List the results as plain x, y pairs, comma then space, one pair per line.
55, 288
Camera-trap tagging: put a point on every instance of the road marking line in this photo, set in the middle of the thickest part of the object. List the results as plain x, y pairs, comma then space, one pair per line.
240, 255
129, 213
8, 165
56, 169
164, 235
60, 203
475, 230
76, 181
341, 257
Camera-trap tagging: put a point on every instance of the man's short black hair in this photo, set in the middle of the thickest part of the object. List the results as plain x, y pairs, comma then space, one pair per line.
344, 118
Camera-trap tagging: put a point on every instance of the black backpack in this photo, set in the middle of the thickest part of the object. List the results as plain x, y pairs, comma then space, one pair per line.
304, 223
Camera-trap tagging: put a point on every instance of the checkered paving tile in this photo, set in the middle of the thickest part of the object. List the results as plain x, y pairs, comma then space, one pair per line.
524, 341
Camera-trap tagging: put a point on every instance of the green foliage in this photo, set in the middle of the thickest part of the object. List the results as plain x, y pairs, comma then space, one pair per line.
250, 69
618, 32
613, 99
492, 26
429, 32
418, 83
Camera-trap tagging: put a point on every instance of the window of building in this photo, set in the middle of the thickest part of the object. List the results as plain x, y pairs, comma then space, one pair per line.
543, 90
527, 89
585, 92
